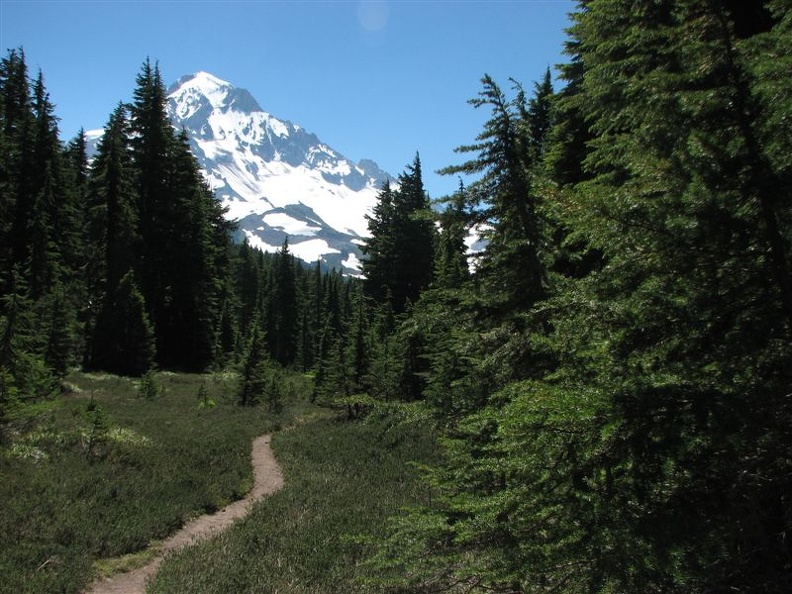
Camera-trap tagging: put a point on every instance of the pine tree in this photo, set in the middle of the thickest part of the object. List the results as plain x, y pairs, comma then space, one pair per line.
112, 202
506, 201
124, 341
248, 280
56, 193
76, 171
359, 345
633, 466
684, 332
195, 241
40, 247
451, 263
379, 249
17, 186
414, 236
24, 377
60, 320
184, 240
539, 117
42, 253
152, 141
253, 379
112, 230
283, 318
399, 254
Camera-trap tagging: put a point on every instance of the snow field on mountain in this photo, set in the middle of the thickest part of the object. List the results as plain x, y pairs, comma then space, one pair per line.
259, 165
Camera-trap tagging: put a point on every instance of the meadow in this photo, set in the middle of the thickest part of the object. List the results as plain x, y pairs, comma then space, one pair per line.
95, 481
106, 471
344, 480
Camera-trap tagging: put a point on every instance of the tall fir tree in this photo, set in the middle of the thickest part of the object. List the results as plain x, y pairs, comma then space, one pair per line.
112, 206
414, 232
184, 240
39, 249
152, 141
451, 261
379, 249
283, 321
506, 201
124, 340
112, 231
18, 126
399, 253
688, 205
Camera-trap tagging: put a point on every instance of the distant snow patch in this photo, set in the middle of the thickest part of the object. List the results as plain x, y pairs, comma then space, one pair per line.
289, 225
256, 242
312, 250
353, 262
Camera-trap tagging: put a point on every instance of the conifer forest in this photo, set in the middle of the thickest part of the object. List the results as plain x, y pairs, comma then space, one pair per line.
609, 380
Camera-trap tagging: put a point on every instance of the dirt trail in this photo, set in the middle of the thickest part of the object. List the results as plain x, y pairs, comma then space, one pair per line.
267, 479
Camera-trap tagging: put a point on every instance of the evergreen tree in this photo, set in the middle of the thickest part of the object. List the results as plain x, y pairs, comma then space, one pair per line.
253, 379
124, 342
196, 240
249, 283
634, 465
76, 156
414, 236
505, 200
17, 186
184, 240
58, 191
39, 248
399, 254
359, 347
332, 380
451, 263
24, 376
379, 249
152, 141
76, 171
112, 231
60, 320
283, 319
539, 116
112, 204
42, 254
691, 323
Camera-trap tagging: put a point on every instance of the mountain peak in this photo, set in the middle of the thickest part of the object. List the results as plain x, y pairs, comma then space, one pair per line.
201, 87
276, 179
201, 78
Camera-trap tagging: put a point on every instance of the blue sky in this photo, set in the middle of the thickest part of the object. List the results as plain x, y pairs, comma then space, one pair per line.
376, 79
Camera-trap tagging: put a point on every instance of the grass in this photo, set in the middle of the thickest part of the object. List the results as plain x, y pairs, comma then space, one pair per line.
343, 481
104, 473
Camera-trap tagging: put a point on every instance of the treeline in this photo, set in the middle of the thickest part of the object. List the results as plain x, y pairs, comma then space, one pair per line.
612, 382
126, 263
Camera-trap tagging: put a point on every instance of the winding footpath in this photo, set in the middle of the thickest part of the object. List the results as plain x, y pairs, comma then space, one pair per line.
267, 479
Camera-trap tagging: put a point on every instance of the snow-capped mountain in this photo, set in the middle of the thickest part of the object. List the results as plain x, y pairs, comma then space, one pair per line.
276, 179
